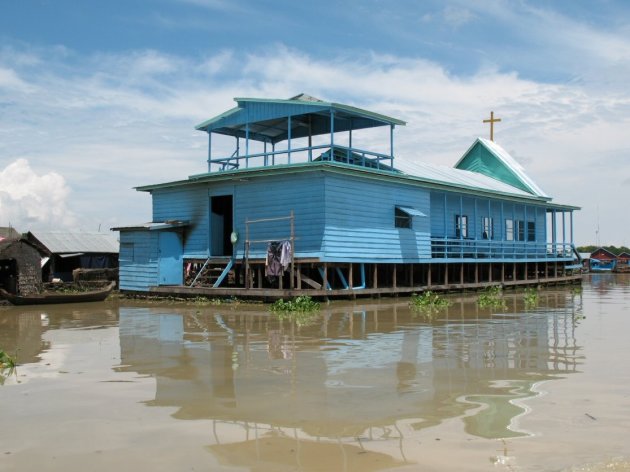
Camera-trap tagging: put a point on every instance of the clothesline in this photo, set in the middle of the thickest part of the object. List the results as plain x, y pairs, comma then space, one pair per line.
268, 240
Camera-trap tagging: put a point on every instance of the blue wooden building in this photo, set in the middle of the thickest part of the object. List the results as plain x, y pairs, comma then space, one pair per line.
353, 217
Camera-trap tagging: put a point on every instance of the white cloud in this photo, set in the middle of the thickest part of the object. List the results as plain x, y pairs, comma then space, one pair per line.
30, 200
110, 122
11, 81
457, 16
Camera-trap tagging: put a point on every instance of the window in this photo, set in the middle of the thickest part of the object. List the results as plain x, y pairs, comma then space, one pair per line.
509, 230
487, 227
403, 216
402, 219
531, 231
520, 230
461, 226
126, 252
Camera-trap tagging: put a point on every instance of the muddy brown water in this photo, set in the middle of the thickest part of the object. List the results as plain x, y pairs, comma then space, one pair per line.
363, 386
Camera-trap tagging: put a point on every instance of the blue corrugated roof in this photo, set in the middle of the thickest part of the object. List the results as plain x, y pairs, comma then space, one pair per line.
267, 119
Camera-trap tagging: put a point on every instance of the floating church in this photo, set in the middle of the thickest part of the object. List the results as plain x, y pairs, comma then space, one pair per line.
306, 201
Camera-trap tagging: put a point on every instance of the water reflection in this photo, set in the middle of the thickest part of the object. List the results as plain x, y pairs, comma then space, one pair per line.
363, 373
22, 329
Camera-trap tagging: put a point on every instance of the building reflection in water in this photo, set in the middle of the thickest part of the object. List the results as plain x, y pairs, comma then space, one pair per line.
357, 374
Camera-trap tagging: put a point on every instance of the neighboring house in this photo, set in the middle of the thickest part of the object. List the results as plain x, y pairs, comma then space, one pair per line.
624, 258
623, 262
20, 267
65, 251
602, 260
357, 219
8, 233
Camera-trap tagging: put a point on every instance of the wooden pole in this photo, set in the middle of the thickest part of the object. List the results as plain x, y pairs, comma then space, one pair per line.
292, 274
394, 276
246, 253
350, 276
375, 276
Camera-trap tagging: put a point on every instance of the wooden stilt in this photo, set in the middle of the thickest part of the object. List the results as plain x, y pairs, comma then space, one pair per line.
429, 276
350, 276
375, 276
461, 274
394, 276
299, 276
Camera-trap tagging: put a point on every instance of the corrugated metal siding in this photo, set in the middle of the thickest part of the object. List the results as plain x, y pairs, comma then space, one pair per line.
60, 242
190, 204
138, 260
276, 197
360, 222
261, 111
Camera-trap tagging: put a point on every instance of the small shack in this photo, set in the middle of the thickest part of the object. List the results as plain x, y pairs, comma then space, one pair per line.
8, 232
623, 262
602, 260
63, 252
20, 269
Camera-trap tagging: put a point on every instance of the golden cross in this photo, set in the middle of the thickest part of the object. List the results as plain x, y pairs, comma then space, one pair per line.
492, 121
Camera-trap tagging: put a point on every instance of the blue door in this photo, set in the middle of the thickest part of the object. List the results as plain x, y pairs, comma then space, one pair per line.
170, 264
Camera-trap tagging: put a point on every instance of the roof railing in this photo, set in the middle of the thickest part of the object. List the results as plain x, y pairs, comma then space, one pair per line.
342, 154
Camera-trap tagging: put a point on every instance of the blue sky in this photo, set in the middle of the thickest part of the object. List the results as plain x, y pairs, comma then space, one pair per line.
99, 97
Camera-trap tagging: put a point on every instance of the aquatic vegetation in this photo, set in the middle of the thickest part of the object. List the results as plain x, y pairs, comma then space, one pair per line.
576, 290
302, 303
302, 310
428, 304
6, 361
491, 297
428, 300
531, 297
7, 366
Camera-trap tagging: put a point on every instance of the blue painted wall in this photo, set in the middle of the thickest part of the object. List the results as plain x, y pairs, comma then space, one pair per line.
138, 260
275, 197
191, 204
360, 221
338, 218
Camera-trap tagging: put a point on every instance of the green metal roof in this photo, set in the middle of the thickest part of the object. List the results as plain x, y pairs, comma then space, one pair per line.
266, 120
488, 158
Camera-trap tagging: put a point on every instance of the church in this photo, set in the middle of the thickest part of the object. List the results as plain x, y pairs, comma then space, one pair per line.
300, 199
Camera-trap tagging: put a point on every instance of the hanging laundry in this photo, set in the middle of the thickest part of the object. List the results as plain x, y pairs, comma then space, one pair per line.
285, 254
273, 266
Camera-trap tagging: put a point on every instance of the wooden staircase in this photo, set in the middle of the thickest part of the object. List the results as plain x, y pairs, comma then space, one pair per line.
213, 273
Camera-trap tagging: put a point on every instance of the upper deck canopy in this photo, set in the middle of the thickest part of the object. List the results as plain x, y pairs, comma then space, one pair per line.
265, 120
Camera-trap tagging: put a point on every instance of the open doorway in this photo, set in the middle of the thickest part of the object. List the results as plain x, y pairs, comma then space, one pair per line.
221, 225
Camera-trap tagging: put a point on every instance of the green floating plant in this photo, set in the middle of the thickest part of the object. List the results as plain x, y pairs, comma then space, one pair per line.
491, 297
302, 310
7, 366
302, 304
428, 301
531, 297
